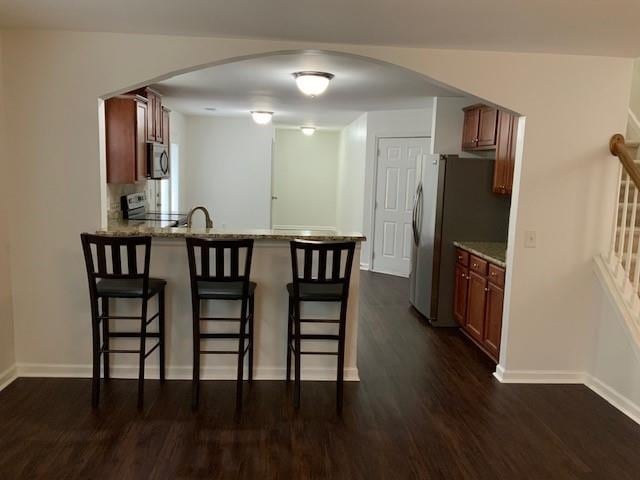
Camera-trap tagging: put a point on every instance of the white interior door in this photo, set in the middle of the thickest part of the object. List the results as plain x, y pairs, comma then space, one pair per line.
396, 180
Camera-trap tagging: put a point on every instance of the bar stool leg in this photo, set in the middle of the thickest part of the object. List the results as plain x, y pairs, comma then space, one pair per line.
95, 380
251, 310
143, 347
195, 385
289, 340
341, 341
297, 354
161, 334
239, 379
105, 336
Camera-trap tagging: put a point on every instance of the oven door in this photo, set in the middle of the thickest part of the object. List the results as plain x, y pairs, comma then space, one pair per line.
158, 161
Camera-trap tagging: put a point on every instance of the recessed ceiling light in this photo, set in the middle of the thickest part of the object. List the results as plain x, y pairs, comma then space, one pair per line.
210, 109
312, 83
261, 118
308, 131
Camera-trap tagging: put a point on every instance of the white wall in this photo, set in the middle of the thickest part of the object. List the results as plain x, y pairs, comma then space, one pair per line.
394, 123
7, 354
351, 169
566, 193
305, 171
229, 170
178, 135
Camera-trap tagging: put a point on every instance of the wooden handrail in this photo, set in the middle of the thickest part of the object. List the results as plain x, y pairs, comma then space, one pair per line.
618, 147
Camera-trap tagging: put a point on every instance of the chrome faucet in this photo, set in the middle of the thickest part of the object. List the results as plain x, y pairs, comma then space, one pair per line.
207, 217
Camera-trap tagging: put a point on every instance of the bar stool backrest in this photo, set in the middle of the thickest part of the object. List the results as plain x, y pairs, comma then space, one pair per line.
215, 265
314, 262
101, 265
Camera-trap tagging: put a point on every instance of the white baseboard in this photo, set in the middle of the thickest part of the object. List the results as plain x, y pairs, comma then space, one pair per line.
388, 272
615, 398
611, 395
8, 376
180, 372
538, 376
364, 266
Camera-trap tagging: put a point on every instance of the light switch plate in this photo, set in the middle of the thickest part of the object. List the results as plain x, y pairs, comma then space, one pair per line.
530, 239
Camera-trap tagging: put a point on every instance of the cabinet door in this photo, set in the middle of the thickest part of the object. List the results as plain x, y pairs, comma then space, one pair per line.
503, 148
151, 116
470, 128
488, 125
511, 160
165, 126
460, 290
493, 320
157, 105
476, 306
142, 128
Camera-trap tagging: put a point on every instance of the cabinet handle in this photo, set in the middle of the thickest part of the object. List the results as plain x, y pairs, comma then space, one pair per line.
493, 274
460, 257
486, 289
475, 265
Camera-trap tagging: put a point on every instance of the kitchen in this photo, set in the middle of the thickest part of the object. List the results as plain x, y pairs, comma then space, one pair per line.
213, 138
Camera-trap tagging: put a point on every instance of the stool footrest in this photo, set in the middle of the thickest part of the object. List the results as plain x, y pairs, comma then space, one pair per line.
132, 334
219, 336
316, 320
220, 319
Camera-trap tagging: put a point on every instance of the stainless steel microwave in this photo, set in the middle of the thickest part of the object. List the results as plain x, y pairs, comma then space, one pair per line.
158, 158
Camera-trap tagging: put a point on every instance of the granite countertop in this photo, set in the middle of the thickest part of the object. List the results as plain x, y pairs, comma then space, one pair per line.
494, 252
124, 228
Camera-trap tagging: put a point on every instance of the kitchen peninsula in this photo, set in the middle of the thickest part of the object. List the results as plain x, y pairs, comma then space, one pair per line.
271, 270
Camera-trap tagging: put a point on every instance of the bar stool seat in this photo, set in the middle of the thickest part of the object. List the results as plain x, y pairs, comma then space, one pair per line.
318, 292
223, 290
128, 288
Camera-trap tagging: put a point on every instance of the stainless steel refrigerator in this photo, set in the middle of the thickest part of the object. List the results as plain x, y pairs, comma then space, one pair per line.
453, 202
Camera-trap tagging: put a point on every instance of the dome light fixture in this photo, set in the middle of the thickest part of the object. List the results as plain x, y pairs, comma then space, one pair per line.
261, 118
312, 83
308, 131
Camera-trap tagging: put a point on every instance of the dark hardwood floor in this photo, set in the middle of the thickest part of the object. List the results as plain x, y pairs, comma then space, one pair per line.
427, 407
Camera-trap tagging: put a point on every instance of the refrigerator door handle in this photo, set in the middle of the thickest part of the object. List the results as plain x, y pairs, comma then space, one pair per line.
417, 206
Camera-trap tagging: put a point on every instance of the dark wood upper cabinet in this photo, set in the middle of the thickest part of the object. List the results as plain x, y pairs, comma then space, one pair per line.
470, 128
165, 125
479, 128
125, 135
154, 113
487, 127
505, 153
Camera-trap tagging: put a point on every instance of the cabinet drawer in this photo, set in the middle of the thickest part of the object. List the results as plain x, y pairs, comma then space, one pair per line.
496, 275
462, 257
478, 265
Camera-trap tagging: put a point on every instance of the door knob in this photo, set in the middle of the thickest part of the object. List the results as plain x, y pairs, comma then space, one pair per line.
273, 197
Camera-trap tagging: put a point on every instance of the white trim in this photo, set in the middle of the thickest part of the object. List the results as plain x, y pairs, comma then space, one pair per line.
615, 398
390, 272
364, 266
305, 227
179, 372
7, 377
538, 376
634, 119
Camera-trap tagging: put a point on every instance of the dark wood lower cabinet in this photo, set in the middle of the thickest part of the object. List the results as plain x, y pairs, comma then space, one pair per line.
477, 302
493, 323
460, 294
476, 306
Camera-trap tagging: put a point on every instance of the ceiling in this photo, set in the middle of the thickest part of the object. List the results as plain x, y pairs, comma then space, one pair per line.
266, 83
592, 27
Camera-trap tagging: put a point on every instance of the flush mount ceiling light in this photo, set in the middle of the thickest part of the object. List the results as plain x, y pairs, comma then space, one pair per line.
210, 109
261, 118
312, 83
308, 131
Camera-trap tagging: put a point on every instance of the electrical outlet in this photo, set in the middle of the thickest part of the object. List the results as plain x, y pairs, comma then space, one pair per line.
529, 239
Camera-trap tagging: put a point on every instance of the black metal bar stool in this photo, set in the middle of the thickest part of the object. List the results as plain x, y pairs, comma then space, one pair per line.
327, 282
231, 284
108, 279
